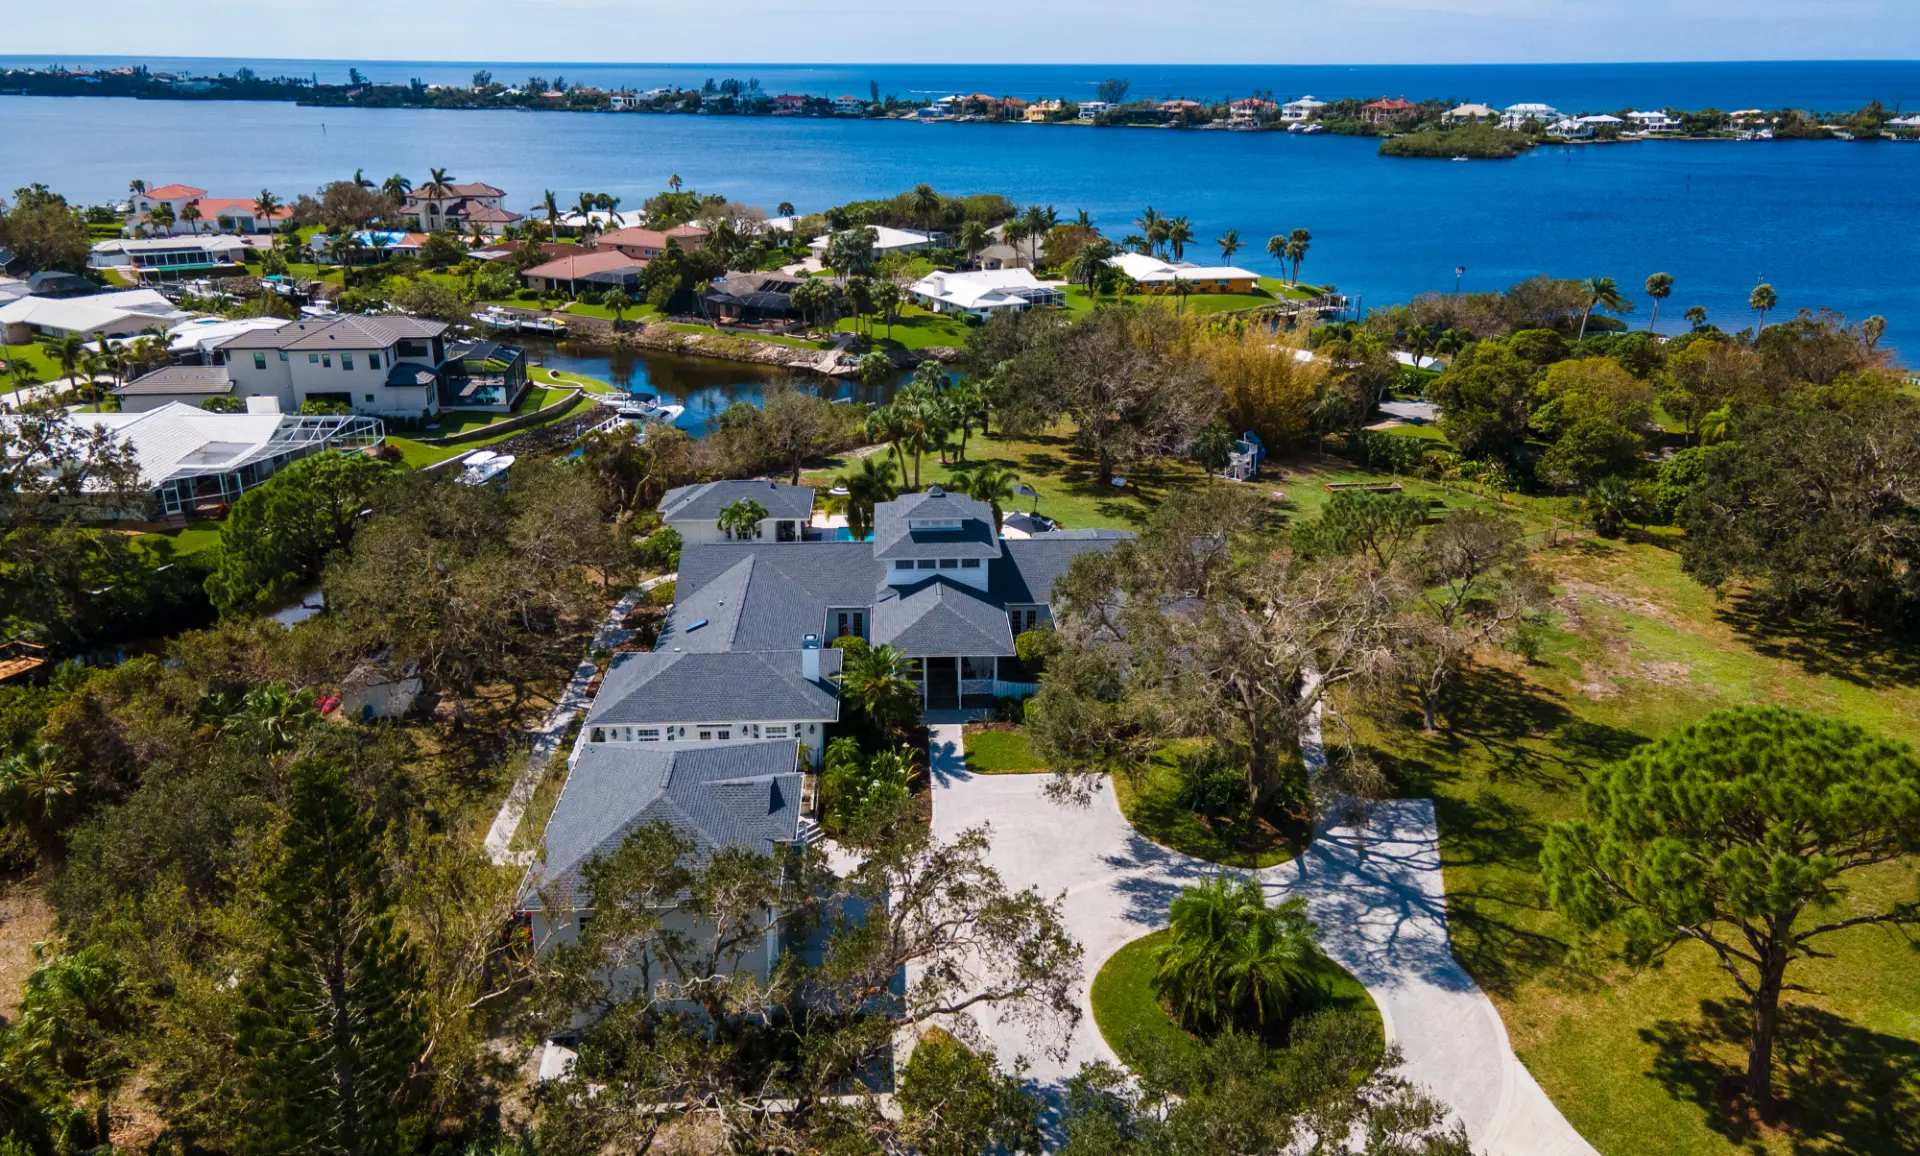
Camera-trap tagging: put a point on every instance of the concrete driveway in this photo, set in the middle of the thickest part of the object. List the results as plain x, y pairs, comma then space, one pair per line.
1374, 891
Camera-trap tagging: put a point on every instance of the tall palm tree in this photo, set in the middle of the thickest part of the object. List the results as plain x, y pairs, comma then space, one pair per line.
973, 238
784, 209
551, 204
1229, 244
874, 682
1179, 234
1277, 249
1298, 242
673, 182
1659, 287
588, 203
1149, 222
360, 179
1014, 232
1231, 961
1600, 293
1089, 264
264, 207
396, 187
1762, 300
190, 213
67, 349
926, 203
1697, 316
1181, 290
136, 186
439, 184
1084, 220
994, 486
870, 485
1037, 221
161, 218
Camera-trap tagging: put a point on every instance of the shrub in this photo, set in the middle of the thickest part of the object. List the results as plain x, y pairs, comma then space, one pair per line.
856, 787
526, 295
1010, 709
663, 594
1210, 783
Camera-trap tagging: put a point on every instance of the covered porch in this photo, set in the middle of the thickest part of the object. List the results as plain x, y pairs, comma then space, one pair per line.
965, 682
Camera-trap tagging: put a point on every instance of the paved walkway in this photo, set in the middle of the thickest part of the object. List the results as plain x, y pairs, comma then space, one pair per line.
1374, 891
546, 740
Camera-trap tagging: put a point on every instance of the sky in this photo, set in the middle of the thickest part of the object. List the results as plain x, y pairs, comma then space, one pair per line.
929, 31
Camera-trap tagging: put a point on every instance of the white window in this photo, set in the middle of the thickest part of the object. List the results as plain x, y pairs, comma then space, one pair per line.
648, 734
776, 730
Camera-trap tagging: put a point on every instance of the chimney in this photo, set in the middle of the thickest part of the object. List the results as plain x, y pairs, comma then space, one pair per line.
810, 658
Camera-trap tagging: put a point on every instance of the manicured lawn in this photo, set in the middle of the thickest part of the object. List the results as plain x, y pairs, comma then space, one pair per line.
1272, 289
1635, 1058
1130, 1015
1000, 752
580, 380
33, 356
1150, 799
582, 309
418, 454
915, 328
190, 540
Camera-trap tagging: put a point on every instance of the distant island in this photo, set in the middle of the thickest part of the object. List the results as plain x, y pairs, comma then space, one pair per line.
1430, 128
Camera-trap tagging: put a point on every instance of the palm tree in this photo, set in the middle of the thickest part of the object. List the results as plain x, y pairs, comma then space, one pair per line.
1277, 249
1762, 301
1229, 244
272, 717
966, 405
190, 213
161, 217
439, 184
1601, 293
973, 238
136, 186
1037, 221
741, 520
784, 209
1298, 242
866, 488
926, 203
1089, 264
673, 182
874, 682
1232, 962
992, 485
1149, 222
616, 302
552, 205
34, 783
396, 187
588, 203
1659, 287
807, 296
1697, 316
1179, 233
1181, 290
1013, 232
264, 207
888, 423
67, 349
1084, 220
360, 180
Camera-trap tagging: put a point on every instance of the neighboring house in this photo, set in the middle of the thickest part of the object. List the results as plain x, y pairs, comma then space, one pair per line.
644, 245
849, 105
598, 270
1387, 110
174, 197
937, 581
1304, 109
1251, 112
694, 511
1571, 128
215, 214
56, 284
170, 258
1093, 108
1602, 121
192, 461
199, 342
704, 699
600, 220
1516, 116
387, 366
742, 795
982, 294
1157, 276
1470, 114
1653, 122
121, 314
459, 206
789, 103
1001, 255
483, 374
174, 385
753, 297
1041, 111
888, 240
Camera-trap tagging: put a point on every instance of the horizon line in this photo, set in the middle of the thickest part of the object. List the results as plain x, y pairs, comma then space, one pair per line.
57, 57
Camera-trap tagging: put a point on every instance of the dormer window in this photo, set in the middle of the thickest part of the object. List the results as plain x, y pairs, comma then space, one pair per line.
903, 564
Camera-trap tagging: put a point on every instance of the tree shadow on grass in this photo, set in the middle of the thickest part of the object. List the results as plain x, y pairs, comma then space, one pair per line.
1862, 655
1852, 1090
1527, 735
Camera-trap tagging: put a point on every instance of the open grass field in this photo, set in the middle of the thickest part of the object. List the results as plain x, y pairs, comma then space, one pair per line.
1635, 1059
1129, 1014
188, 540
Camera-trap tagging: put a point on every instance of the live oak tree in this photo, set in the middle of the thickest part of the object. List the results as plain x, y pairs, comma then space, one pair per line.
328, 1036
1739, 833
280, 532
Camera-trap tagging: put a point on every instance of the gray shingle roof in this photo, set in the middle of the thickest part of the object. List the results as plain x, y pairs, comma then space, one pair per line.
941, 617
352, 331
765, 595
740, 795
170, 379
1030, 566
704, 502
678, 686
894, 535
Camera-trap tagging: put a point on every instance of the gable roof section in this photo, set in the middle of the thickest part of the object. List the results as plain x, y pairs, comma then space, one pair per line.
173, 193
764, 596
179, 379
1030, 566
743, 795
704, 501
894, 535
579, 265
351, 331
940, 618
678, 686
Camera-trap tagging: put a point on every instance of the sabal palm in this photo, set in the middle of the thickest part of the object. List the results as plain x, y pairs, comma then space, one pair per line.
360, 180
994, 486
1231, 961
973, 238
551, 204
1179, 234
1659, 287
1762, 301
866, 488
1298, 242
1148, 221
272, 718
1038, 220
587, 204
33, 782
1277, 249
1697, 316
926, 202
1229, 244
1600, 293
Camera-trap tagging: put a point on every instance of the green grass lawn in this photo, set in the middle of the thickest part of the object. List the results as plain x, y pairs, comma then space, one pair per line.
419, 454
1130, 1016
582, 309
773, 338
1150, 799
998, 752
1634, 1059
33, 356
570, 380
189, 540
914, 328
1272, 289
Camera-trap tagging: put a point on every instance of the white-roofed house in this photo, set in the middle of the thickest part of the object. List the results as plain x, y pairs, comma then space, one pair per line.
888, 240
1517, 116
985, 292
171, 258
1156, 276
1653, 122
1304, 109
119, 314
1469, 113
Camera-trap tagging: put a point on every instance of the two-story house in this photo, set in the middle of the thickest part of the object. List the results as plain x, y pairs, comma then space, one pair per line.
458, 206
644, 245
384, 366
707, 698
694, 511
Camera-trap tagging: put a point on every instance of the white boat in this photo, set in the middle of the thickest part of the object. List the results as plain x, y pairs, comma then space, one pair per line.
551, 326
495, 318
484, 466
644, 408
1460, 158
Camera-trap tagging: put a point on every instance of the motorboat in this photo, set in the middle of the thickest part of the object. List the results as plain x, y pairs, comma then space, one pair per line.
483, 467
497, 319
647, 408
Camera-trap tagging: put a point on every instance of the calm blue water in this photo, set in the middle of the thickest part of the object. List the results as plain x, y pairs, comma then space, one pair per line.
1827, 223
706, 387
1817, 84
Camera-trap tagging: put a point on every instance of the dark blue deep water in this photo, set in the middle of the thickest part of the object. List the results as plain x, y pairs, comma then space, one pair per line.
1827, 223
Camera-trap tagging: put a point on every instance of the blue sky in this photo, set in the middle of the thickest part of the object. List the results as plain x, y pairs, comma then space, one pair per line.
1185, 31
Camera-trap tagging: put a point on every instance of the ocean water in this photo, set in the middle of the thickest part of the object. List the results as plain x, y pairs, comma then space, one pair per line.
1827, 223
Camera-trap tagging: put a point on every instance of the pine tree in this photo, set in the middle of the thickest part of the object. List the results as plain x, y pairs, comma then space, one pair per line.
329, 1033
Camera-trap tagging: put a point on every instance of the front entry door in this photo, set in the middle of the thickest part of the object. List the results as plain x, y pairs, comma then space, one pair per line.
943, 684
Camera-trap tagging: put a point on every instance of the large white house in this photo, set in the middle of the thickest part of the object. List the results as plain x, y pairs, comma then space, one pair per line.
985, 292
887, 240
119, 314
1517, 116
209, 214
1304, 109
1156, 276
1653, 122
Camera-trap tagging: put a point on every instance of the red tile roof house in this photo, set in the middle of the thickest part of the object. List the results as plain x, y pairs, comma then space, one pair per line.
1386, 111
459, 206
644, 245
788, 102
597, 270
214, 214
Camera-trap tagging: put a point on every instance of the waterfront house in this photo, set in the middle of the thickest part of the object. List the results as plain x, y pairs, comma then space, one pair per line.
485, 375
212, 214
385, 366
169, 258
1470, 114
888, 240
192, 461
1041, 111
1517, 116
849, 105
753, 298
1570, 128
1157, 276
937, 581
695, 699
59, 285
121, 314
1653, 122
644, 245
1386, 110
460, 206
173, 196
983, 293
789, 103
1304, 109
595, 269
202, 340
694, 511
1251, 112
1093, 108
